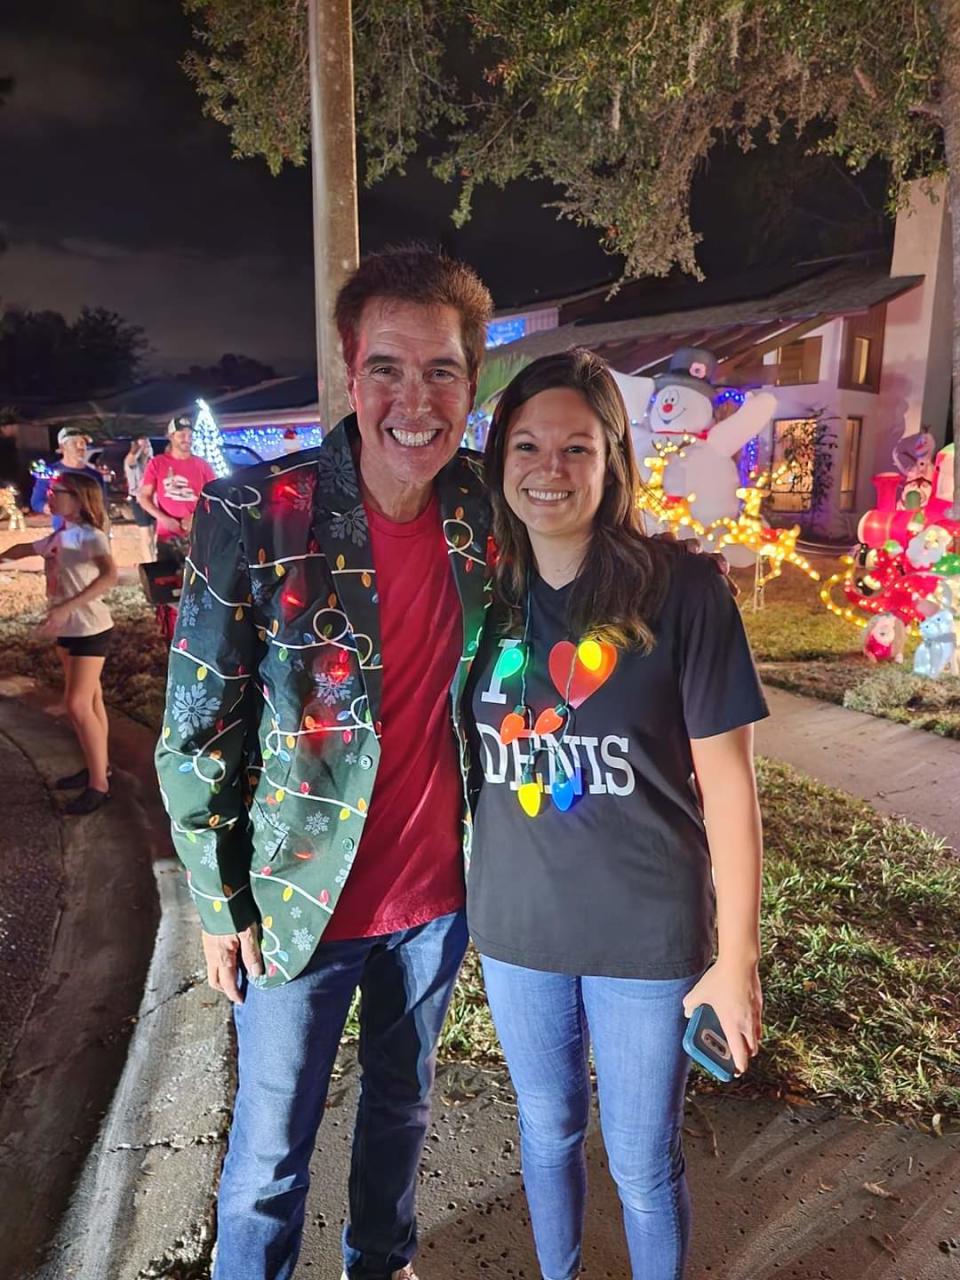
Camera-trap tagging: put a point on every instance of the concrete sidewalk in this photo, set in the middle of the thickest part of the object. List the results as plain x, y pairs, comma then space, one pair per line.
778, 1191
903, 772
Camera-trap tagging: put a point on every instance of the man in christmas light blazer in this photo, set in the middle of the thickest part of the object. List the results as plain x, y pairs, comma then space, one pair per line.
314, 768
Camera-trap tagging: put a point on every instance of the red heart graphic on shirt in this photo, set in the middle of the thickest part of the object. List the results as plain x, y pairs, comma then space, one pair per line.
584, 680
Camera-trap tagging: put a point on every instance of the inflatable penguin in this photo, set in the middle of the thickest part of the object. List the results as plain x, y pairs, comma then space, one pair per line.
678, 404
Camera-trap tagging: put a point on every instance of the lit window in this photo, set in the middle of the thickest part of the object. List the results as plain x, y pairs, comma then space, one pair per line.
861, 357
510, 329
860, 361
794, 456
799, 362
851, 463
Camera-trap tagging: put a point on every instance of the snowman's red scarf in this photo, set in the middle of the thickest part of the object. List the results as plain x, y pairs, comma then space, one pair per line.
693, 435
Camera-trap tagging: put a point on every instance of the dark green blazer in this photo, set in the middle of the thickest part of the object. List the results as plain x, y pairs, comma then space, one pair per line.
271, 736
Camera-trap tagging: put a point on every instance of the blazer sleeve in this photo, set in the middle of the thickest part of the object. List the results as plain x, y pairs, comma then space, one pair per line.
210, 708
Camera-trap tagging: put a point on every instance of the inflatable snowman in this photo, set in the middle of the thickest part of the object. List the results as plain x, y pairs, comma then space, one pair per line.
678, 405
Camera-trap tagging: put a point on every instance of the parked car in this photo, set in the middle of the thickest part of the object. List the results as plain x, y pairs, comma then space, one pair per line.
240, 455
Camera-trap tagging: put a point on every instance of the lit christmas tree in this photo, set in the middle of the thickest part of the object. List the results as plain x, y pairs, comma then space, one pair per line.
207, 441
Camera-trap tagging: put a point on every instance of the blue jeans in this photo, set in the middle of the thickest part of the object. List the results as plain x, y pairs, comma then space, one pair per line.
546, 1022
288, 1038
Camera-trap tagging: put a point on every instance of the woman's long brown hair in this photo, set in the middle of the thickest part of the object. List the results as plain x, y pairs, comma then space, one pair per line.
89, 495
621, 585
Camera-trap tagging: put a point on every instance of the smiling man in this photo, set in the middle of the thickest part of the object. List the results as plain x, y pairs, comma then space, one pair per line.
314, 769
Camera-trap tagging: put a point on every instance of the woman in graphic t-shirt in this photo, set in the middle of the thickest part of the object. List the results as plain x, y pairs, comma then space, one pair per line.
79, 570
613, 699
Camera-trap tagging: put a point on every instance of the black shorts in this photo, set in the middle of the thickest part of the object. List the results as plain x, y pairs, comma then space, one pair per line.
140, 516
87, 646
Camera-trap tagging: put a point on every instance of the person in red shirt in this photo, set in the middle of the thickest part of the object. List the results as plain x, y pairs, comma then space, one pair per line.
172, 482
389, 916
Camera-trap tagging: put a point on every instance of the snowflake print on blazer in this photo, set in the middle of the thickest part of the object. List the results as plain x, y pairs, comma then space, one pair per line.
279, 626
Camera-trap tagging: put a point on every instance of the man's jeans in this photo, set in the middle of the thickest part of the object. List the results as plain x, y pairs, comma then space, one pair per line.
288, 1038
546, 1022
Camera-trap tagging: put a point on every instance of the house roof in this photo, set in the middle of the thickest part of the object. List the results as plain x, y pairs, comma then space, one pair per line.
728, 329
162, 398
296, 392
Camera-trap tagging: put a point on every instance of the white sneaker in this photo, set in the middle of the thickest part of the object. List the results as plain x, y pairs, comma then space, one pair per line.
405, 1273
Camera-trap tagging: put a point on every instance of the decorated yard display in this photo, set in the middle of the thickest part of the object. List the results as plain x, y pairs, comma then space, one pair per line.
936, 653
907, 566
679, 411
10, 509
207, 440
884, 638
693, 487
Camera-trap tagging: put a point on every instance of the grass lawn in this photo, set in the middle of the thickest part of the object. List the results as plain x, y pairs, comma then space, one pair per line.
861, 935
133, 675
802, 647
861, 919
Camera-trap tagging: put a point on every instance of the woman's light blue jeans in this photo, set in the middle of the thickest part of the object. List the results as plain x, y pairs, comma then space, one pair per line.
546, 1023
287, 1038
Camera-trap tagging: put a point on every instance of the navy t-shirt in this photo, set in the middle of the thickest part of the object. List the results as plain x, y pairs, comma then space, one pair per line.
619, 884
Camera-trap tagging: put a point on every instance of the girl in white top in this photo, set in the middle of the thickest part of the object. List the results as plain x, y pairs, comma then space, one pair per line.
80, 570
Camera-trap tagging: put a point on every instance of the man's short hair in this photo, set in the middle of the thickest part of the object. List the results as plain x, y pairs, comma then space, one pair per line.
425, 276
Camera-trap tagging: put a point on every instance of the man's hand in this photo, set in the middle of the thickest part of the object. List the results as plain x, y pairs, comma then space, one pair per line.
222, 953
170, 526
693, 547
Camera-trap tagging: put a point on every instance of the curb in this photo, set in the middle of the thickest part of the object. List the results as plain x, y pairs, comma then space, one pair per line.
143, 1206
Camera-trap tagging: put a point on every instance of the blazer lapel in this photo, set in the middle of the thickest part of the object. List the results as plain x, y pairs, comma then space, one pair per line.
466, 527
340, 527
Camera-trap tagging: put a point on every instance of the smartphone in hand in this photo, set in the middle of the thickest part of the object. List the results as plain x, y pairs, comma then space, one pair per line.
704, 1041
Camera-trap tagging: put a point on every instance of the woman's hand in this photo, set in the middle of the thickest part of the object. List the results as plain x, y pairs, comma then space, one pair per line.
732, 989
55, 620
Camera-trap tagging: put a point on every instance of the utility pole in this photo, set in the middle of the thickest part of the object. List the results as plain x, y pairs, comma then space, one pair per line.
336, 240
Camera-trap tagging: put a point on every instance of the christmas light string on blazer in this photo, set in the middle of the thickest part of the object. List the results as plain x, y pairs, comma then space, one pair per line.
566, 787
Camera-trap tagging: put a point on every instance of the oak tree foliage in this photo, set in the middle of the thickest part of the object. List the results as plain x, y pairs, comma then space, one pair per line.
616, 102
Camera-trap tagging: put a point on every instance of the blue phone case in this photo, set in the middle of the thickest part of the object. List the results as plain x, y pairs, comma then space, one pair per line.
706, 1044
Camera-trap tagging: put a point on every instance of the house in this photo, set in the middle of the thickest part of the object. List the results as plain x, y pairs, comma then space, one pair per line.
857, 354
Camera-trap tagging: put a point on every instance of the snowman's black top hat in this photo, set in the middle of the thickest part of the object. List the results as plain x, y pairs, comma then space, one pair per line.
691, 367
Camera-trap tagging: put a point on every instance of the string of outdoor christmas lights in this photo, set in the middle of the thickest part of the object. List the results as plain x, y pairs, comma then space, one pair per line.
747, 530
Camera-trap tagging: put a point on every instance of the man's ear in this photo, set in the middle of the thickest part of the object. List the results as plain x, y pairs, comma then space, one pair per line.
351, 389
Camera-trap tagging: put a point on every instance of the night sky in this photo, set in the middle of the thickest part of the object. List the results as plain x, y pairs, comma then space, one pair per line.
116, 192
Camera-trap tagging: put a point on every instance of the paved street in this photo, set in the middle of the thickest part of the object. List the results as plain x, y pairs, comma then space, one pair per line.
78, 916
31, 883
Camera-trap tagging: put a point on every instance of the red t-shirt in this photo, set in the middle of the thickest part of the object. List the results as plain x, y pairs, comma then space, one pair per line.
177, 483
408, 867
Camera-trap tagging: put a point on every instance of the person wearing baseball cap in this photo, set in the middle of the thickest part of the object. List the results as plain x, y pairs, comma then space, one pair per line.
171, 485
72, 445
